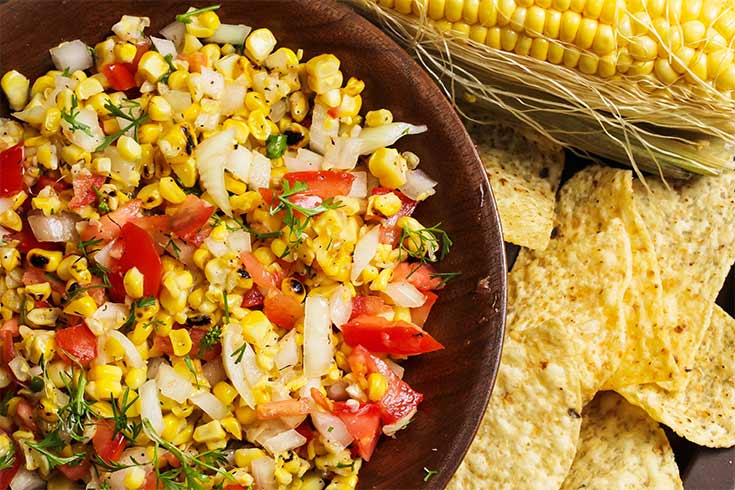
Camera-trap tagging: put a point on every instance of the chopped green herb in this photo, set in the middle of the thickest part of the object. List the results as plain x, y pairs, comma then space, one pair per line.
445, 276
7, 460
141, 303
74, 416
175, 249
117, 111
275, 146
429, 473
190, 366
239, 352
424, 243
102, 205
186, 18
210, 338
71, 118
7, 396
226, 306
129, 429
36, 384
66, 73
53, 441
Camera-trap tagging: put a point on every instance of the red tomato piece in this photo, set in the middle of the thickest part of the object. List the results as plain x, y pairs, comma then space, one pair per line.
117, 288
8, 351
306, 430
377, 334
108, 227
258, 272
400, 400
363, 425
252, 298
11, 169
368, 305
140, 252
108, 444
140, 50
197, 334
422, 276
10, 326
419, 315
283, 408
84, 187
163, 345
76, 472
57, 184
120, 76
27, 241
282, 309
190, 217
78, 342
323, 183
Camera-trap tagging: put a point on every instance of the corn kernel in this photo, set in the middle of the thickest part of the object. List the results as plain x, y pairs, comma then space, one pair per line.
152, 66
133, 282
83, 306
231, 425
129, 148
89, 87
259, 44
134, 478
245, 456
389, 167
180, 341
44, 259
10, 260
150, 195
387, 204
135, 377
242, 131
378, 118
10, 219
159, 109
16, 87
209, 432
224, 392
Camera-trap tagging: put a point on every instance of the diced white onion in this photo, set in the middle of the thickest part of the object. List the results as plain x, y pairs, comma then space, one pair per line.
20, 368
27, 480
405, 294
264, 473
89, 139
342, 153
123, 170
395, 367
418, 185
365, 250
340, 306
305, 391
382, 136
239, 241
175, 32
217, 248
138, 457
359, 185
109, 316
179, 100
278, 110
164, 46
285, 441
324, 128
305, 160
210, 404
260, 171
132, 356
233, 98
213, 83
239, 163
288, 351
31, 115
214, 371
172, 385
331, 428
56, 228
231, 341
103, 256
318, 349
211, 156
229, 34
150, 405
72, 55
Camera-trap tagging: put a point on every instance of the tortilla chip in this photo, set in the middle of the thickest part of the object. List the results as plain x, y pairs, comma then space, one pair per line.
524, 170
693, 230
703, 412
528, 437
581, 278
620, 447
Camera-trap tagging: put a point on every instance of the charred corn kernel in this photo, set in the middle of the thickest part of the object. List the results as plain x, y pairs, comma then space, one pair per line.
209, 432
10, 260
259, 44
83, 306
299, 105
129, 148
224, 392
64, 268
46, 260
150, 196
245, 456
180, 341
135, 377
258, 124
133, 282
40, 291
16, 87
387, 204
10, 219
134, 478
242, 131
389, 167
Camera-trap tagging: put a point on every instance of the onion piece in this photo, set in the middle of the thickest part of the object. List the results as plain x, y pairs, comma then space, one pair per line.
288, 351
239, 163
90, 139
278, 110
318, 349
103, 257
405, 294
332, 428
109, 316
72, 55
264, 473
213, 83
395, 367
20, 368
359, 185
233, 98
175, 32
231, 341
382, 136
304, 161
179, 100
324, 128
391, 429
172, 385
214, 371
210, 404
285, 441
418, 185
27, 480
5, 204
217, 247
56, 228
342, 153
340, 306
260, 171
164, 46
150, 405
229, 33
211, 156
239, 241
132, 356
138, 457
365, 250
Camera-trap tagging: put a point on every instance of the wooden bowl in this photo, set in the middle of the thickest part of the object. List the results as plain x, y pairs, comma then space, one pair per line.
469, 318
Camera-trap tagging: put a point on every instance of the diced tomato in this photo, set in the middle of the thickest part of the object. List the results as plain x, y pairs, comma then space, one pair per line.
24, 413
151, 482
78, 342
377, 334
282, 309
196, 61
196, 239
140, 252
76, 472
190, 217
252, 298
97, 291
117, 288
8, 350
282, 408
10, 326
323, 183
120, 76
423, 276
163, 345
420, 314
7, 475
84, 186
197, 334
45, 180
306, 430
140, 50
11, 169
400, 400
108, 444
368, 305
36, 276
108, 227
27, 241
258, 272
333, 112
302, 199
363, 425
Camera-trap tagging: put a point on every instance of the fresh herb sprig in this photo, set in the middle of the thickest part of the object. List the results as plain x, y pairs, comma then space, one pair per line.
123, 425
117, 111
445, 276
217, 219
71, 118
171, 68
429, 473
53, 441
141, 303
102, 205
424, 243
210, 339
187, 17
7, 460
74, 416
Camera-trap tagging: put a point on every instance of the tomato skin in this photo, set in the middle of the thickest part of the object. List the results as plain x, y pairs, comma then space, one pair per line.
11, 168
84, 187
252, 298
140, 252
258, 272
56, 184
78, 341
120, 76
421, 276
377, 334
108, 227
196, 61
368, 305
323, 183
107, 443
421, 314
282, 309
140, 50
283, 408
363, 425
76, 472
190, 216
8, 349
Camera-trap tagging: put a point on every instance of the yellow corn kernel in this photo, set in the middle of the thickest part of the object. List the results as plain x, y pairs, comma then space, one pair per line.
105, 371
387, 204
180, 341
44, 259
209, 432
134, 478
224, 392
245, 456
258, 124
203, 25
82, 305
135, 377
80, 272
16, 87
10, 219
389, 167
172, 425
178, 80
10, 260
129, 148
380, 117
171, 191
282, 60
255, 101
51, 121
46, 156
42, 83
242, 131
152, 66
133, 282
40, 291
231, 425
159, 109
125, 52
299, 105
234, 185
259, 44
89, 87
173, 304
151, 196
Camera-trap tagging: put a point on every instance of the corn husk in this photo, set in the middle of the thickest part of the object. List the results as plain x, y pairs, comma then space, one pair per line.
671, 131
